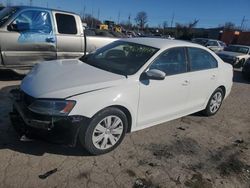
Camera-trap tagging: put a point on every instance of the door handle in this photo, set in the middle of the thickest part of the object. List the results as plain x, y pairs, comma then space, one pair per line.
185, 83
51, 39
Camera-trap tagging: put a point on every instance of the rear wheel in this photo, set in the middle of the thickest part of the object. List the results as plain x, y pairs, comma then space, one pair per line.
214, 103
105, 131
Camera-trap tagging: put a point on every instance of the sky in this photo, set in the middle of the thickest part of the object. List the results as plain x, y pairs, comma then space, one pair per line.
210, 13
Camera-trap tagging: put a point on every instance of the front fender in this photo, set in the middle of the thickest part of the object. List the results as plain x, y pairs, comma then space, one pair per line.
89, 104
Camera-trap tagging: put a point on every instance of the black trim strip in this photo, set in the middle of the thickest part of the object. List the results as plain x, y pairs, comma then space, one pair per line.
86, 92
188, 60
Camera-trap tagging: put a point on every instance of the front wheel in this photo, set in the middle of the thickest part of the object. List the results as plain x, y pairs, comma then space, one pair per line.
105, 131
214, 103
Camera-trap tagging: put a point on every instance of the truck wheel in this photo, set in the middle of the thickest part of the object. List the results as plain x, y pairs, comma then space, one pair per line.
105, 131
214, 103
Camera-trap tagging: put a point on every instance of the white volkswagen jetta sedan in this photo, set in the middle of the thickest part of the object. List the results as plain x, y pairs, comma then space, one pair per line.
126, 86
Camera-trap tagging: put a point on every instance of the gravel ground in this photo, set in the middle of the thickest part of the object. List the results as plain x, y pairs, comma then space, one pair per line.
193, 151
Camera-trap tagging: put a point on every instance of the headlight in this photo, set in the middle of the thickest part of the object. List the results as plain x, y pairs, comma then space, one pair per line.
52, 107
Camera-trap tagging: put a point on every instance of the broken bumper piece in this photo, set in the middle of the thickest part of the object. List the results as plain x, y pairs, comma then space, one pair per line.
61, 129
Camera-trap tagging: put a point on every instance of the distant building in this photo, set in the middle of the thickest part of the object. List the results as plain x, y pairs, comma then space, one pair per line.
236, 37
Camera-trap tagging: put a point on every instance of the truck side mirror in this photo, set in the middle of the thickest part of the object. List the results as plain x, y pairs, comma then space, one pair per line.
19, 27
12, 27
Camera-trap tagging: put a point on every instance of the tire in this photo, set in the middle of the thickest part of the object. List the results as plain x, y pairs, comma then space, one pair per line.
99, 136
214, 103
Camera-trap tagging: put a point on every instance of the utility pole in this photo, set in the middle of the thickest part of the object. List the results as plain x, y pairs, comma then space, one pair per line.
242, 23
98, 15
129, 23
172, 20
30, 2
92, 19
118, 18
84, 10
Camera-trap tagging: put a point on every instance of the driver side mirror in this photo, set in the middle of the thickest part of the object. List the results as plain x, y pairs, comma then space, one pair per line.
154, 74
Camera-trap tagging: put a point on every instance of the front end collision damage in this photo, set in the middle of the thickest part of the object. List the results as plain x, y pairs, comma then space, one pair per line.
55, 129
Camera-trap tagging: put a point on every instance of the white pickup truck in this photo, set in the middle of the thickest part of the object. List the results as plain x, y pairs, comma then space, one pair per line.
29, 35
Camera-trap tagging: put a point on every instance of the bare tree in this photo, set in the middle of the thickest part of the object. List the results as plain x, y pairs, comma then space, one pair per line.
185, 31
193, 24
91, 21
164, 26
229, 26
141, 19
8, 3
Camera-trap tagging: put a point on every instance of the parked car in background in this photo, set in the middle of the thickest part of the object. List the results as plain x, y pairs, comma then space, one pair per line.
201, 41
214, 45
246, 69
29, 35
128, 85
235, 55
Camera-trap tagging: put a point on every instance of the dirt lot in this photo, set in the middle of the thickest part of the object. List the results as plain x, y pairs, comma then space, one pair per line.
193, 151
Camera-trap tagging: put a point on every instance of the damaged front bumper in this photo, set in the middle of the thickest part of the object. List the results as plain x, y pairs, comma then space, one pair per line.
56, 129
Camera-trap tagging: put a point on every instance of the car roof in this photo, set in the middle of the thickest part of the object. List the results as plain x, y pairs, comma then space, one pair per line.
213, 40
208, 39
239, 45
161, 43
48, 9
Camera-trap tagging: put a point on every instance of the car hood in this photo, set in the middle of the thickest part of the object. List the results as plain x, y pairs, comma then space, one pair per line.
65, 78
232, 54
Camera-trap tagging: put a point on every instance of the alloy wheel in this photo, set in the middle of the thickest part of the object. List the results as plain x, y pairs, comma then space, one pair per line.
216, 102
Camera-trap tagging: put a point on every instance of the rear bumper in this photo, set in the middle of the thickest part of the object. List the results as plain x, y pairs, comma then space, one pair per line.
61, 130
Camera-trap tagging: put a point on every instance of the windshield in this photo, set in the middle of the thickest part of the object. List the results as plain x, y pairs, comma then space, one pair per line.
121, 57
239, 49
6, 13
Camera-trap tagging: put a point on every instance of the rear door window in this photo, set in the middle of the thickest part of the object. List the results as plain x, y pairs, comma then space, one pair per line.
66, 24
201, 59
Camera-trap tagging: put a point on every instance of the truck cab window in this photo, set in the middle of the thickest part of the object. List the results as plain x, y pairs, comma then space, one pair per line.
33, 21
66, 24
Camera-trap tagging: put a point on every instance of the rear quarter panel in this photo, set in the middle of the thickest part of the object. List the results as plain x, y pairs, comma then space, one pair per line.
226, 77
